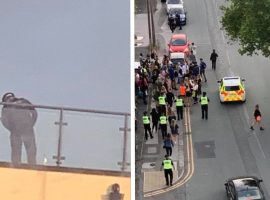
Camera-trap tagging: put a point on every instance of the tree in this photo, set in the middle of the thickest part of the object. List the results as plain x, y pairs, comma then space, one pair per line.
248, 22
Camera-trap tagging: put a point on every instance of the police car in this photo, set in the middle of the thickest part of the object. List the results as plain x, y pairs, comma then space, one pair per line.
244, 188
232, 89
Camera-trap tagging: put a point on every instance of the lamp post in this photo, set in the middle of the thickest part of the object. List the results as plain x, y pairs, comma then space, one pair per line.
152, 25
149, 25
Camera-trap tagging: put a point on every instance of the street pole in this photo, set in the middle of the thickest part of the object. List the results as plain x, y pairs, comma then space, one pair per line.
149, 25
153, 26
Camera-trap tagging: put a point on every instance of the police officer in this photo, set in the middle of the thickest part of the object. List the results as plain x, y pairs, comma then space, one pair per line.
178, 21
146, 124
162, 103
172, 22
163, 125
20, 122
204, 105
179, 102
168, 167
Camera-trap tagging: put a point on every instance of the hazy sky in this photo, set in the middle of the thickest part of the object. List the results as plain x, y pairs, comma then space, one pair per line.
66, 52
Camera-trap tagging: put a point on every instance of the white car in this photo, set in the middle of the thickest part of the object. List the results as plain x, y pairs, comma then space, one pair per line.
174, 4
232, 89
177, 57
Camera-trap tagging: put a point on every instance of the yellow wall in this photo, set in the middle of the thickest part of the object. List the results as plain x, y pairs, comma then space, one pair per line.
20, 184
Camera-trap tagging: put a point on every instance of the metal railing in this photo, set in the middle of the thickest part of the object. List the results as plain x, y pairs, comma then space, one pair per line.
80, 138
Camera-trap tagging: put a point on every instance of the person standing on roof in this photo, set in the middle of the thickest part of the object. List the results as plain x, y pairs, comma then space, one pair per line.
20, 120
204, 105
213, 58
257, 118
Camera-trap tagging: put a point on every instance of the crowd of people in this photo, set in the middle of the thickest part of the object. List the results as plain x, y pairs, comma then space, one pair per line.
173, 87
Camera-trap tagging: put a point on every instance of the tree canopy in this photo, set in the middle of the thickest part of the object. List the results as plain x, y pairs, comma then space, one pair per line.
248, 22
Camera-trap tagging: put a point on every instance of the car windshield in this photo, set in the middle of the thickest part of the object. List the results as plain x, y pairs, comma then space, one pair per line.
173, 11
249, 194
178, 42
173, 1
232, 88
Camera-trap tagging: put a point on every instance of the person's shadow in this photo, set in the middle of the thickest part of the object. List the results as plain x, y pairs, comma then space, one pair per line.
113, 193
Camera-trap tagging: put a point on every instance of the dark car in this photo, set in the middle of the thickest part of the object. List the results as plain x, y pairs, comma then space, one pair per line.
244, 188
181, 12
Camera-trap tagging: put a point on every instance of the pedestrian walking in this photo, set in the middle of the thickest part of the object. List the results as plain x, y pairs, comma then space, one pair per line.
170, 97
192, 58
171, 115
179, 102
213, 58
20, 120
257, 118
178, 21
193, 48
154, 116
182, 91
204, 105
168, 167
202, 69
172, 23
146, 124
162, 103
195, 91
174, 129
168, 144
163, 125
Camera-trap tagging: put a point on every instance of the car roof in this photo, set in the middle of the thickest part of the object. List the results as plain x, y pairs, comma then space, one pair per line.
171, 6
245, 183
179, 36
231, 81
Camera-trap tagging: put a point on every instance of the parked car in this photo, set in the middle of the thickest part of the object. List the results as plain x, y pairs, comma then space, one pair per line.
179, 43
244, 188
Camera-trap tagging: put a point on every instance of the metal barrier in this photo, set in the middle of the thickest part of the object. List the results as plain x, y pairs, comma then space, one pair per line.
80, 138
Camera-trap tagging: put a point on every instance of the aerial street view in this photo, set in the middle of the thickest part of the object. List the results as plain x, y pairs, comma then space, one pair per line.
201, 96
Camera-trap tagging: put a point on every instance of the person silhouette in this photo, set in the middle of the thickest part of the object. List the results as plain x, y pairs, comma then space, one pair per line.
20, 120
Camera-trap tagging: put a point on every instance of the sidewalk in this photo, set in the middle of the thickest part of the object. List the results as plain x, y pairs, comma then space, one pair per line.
153, 155
150, 154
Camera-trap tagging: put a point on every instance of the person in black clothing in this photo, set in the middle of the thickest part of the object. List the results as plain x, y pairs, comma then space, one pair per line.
172, 23
202, 69
178, 21
115, 193
155, 117
20, 120
170, 97
213, 58
257, 118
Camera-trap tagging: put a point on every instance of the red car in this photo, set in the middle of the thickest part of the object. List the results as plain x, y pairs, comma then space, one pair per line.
179, 43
